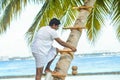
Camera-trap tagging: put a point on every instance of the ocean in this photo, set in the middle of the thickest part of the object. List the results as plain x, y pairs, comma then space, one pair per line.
87, 64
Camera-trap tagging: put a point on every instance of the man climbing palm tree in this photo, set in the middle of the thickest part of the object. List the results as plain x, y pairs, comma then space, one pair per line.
42, 48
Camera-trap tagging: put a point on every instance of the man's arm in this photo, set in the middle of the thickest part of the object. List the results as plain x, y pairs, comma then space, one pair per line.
61, 42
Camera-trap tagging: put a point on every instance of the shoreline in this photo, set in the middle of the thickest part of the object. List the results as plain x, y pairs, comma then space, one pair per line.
69, 75
80, 77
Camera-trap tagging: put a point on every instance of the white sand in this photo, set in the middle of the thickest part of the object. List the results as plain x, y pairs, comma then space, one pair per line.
90, 77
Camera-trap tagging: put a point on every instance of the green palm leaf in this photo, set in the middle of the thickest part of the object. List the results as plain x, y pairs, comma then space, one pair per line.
10, 10
3, 3
115, 16
93, 25
96, 19
102, 10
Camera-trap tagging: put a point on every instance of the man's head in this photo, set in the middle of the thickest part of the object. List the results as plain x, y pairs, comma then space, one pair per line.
54, 23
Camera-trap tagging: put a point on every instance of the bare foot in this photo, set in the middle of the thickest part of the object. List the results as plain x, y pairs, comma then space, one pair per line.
54, 73
48, 70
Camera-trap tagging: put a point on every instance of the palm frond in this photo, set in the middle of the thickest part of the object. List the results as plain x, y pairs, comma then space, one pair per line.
116, 19
10, 10
69, 18
118, 32
115, 16
96, 19
70, 15
3, 3
93, 25
115, 13
104, 4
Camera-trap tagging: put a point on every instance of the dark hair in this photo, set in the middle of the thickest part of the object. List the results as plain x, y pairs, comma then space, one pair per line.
54, 21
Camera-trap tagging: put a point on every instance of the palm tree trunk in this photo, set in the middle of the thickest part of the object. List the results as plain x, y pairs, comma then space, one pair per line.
65, 60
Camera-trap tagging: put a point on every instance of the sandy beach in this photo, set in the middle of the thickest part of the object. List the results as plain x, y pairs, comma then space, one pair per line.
86, 77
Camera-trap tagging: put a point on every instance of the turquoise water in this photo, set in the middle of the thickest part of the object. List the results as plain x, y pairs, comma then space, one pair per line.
86, 64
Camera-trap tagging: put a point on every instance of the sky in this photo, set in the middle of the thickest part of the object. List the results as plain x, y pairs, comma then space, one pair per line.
13, 42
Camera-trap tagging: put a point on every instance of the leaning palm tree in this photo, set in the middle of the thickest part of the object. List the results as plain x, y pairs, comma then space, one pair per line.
91, 15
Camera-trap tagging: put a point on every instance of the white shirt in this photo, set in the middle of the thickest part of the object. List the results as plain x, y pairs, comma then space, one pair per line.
43, 40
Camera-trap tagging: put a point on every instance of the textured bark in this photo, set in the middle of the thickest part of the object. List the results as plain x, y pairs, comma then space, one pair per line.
64, 62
